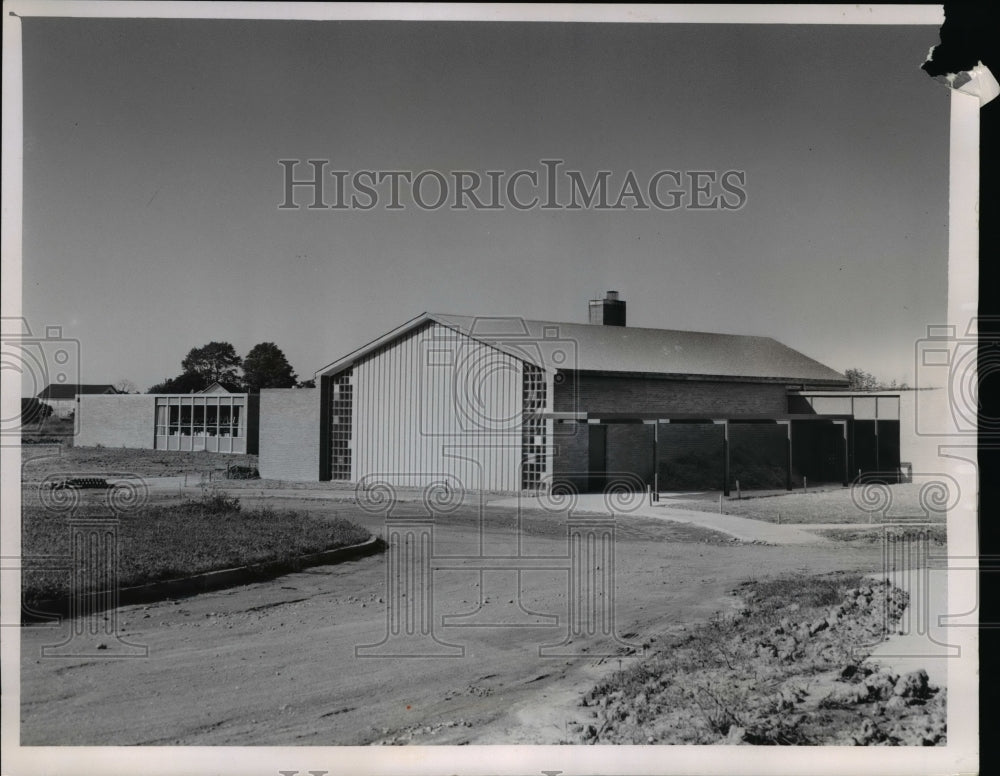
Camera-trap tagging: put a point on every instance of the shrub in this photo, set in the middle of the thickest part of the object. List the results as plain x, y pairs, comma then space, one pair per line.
214, 503
242, 473
34, 411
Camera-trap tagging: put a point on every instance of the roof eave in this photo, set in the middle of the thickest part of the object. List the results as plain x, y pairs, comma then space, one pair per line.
346, 361
833, 382
354, 356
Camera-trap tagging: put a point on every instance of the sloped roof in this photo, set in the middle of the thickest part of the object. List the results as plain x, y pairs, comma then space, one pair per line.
215, 387
67, 391
627, 349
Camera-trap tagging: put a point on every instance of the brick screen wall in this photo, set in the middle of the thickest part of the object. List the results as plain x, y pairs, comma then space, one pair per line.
599, 393
570, 461
289, 434
116, 421
630, 449
689, 456
758, 456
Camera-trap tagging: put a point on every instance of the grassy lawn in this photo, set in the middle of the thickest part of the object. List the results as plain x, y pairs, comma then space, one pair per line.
168, 541
827, 506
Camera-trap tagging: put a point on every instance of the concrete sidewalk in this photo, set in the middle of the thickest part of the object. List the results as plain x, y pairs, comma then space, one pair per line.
741, 528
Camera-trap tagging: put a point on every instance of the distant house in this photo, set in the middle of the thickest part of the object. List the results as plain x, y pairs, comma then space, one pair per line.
63, 399
215, 388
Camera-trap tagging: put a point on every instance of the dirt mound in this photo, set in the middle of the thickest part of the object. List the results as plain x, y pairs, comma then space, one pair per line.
788, 668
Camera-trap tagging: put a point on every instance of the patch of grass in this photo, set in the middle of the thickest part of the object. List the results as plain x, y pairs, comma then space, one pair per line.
937, 535
834, 505
806, 591
177, 540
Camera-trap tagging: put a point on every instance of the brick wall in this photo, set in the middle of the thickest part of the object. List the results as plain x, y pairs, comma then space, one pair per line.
289, 434
598, 393
116, 421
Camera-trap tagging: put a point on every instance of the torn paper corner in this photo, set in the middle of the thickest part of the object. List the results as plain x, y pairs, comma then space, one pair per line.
977, 82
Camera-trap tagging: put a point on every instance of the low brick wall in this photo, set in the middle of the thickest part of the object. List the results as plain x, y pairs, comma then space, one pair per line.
126, 420
289, 434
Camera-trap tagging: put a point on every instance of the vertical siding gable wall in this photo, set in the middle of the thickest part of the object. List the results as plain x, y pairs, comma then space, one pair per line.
436, 402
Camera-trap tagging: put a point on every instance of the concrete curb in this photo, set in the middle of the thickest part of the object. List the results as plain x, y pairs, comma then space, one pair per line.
199, 583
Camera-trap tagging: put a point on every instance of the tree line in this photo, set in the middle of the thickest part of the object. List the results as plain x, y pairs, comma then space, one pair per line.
860, 380
265, 366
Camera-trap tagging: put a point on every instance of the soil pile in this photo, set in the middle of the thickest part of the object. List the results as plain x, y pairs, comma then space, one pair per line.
789, 667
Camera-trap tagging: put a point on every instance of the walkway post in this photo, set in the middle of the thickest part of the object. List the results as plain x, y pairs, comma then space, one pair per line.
788, 451
847, 475
725, 455
656, 451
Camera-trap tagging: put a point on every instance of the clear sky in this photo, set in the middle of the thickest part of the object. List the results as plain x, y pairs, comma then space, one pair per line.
152, 183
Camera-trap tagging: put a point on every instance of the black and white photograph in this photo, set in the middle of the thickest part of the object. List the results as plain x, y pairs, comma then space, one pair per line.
491, 382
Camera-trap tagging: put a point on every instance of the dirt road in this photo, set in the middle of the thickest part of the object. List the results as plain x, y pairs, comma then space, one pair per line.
275, 663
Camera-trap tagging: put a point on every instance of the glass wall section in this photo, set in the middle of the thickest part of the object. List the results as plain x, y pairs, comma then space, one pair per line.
341, 417
216, 423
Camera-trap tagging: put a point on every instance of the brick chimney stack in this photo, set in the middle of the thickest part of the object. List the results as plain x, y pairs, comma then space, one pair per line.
609, 311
